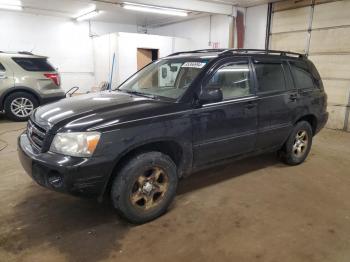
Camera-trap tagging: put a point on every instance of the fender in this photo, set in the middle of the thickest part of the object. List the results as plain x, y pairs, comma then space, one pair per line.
186, 147
18, 89
186, 160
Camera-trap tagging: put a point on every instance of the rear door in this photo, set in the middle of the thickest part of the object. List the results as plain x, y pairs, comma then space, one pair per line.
227, 128
277, 102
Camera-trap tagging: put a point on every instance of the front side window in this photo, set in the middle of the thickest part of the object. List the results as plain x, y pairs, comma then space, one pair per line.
270, 77
302, 77
233, 79
34, 64
168, 78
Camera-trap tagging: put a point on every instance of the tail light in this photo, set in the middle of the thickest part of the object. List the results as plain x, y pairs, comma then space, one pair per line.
54, 77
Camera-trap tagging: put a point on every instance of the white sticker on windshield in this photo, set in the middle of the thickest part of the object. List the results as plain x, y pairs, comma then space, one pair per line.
194, 64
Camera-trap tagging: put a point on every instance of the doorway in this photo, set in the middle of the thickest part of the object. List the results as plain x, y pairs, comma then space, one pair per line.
146, 56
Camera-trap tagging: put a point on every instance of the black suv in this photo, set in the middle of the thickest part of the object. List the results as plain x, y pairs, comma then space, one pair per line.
182, 113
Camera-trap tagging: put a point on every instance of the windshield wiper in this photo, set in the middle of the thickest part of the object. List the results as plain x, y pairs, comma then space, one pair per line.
140, 94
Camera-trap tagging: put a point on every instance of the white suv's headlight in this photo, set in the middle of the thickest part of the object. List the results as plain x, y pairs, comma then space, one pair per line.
80, 144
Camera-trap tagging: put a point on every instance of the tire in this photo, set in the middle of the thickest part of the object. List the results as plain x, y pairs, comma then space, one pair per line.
13, 103
145, 187
298, 145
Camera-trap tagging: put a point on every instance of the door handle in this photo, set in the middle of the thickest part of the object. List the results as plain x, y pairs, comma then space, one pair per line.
3, 77
250, 105
293, 97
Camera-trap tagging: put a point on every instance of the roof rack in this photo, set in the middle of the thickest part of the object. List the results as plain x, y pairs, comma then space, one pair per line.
198, 51
25, 53
262, 51
240, 51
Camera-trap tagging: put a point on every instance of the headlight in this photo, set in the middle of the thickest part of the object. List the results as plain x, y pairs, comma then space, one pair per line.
80, 144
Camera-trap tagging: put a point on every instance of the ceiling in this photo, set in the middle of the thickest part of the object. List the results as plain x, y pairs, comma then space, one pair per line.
113, 12
242, 3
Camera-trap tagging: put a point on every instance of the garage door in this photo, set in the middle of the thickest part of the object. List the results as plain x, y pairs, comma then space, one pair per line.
320, 29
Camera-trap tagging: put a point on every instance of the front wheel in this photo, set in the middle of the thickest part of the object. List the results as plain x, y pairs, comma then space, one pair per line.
145, 187
298, 145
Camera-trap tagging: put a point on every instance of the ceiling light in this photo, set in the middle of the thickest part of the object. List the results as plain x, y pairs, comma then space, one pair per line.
154, 9
90, 8
88, 16
11, 5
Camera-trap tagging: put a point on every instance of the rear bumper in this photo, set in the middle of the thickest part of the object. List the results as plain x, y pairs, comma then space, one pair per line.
322, 121
51, 99
72, 175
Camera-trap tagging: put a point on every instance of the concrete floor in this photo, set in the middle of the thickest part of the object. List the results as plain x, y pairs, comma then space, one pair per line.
253, 210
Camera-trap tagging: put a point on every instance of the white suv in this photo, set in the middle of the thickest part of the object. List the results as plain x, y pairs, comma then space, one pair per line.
26, 81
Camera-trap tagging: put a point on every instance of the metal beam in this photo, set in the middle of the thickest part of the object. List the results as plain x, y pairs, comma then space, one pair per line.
174, 20
190, 5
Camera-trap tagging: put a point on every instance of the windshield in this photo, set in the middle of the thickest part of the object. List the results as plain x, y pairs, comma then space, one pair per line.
165, 78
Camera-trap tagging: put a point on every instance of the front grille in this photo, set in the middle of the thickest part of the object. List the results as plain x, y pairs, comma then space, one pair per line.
36, 135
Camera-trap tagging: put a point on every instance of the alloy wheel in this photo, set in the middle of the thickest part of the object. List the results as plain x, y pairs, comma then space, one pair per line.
300, 143
149, 189
22, 107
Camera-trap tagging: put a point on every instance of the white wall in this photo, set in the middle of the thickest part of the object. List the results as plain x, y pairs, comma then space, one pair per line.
101, 28
198, 31
125, 45
104, 47
255, 22
66, 43
128, 44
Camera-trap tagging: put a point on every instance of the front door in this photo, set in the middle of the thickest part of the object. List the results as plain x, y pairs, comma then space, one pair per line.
227, 128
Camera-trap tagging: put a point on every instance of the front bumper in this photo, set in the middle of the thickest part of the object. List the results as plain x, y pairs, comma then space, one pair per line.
72, 175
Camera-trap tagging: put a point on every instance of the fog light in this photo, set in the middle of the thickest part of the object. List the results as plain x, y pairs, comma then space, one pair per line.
55, 181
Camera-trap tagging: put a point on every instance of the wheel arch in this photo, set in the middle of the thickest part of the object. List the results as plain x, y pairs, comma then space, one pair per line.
181, 156
16, 90
311, 119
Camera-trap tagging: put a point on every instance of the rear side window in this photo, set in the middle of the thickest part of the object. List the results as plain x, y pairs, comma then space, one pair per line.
2, 68
270, 77
301, 75
33, 64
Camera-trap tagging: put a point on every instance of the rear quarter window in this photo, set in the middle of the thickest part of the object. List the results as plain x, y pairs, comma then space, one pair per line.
2, 68
33, 64
301, 75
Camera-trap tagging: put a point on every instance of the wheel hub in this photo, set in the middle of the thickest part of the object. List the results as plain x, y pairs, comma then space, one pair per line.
147, 187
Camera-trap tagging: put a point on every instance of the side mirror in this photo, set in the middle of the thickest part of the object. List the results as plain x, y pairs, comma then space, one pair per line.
173, 68
210, 95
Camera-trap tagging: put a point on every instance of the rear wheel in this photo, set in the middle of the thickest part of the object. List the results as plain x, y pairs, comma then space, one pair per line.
20, 105
145, 187
298, 145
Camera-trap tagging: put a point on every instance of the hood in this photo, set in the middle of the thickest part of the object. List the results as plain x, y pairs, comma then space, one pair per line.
82, 112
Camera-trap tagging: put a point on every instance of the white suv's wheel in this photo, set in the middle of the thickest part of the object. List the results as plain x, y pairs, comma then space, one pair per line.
20, 105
